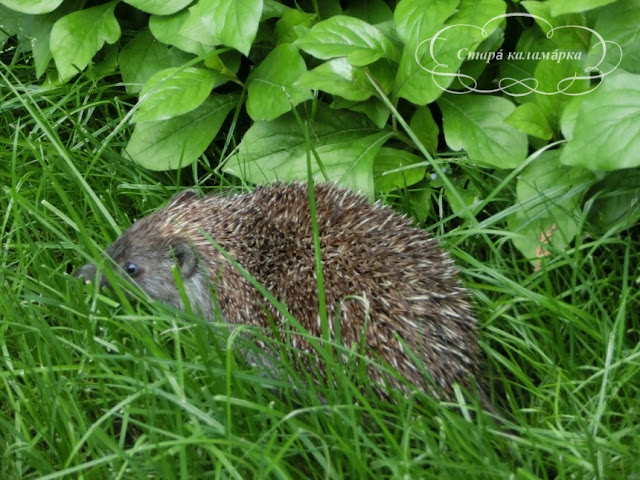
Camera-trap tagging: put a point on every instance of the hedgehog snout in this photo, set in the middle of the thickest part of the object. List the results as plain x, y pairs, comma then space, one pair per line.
88, 274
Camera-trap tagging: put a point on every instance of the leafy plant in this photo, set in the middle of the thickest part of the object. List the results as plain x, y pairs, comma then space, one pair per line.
339, 80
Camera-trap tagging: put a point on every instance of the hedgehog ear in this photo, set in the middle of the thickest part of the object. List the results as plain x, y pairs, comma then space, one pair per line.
183, 197
186, 259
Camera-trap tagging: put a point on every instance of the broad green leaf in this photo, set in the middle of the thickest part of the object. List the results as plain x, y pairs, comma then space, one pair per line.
549, 197
179, 141
345, 142
273, 9
420, 202
292, 23
418, 22
9, 23
338, 77
561, 7
272, 90
567, 34
469, 195
172, 92
519, 74
619, 23
105, 64
388, 29
393, 168
617, 204
33, 31
33, 7
77, 37
477, 124
606, 135
425, 128
530, 119
374, 108
342, 36
226, 64
370, 11
168, 29
233, 23
159, 7
489, 45
39, 34
383, 74
329, 8
145, 56
569, 116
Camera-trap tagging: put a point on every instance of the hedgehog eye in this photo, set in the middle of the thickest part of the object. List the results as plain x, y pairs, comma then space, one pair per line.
131, 269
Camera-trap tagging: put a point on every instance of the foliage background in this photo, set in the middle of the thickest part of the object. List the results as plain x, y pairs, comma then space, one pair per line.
108, 107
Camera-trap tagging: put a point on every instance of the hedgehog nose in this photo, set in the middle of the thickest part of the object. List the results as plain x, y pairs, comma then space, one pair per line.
88, 274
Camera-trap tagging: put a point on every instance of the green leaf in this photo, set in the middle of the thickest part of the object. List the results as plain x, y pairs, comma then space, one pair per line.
273, 9
411, 169
179, 141
425, 128
370, 11
420, 202
145, 56
619, 23
271, 90
105, 64
33, 31
567, 34
233, 23
172, 92
159, 7
569, 116
530, 119
167, 29
226, 63
345, 142
558, 81
549, 197
374, 108
418, 21
470, 195
329, 8
523, 70
77, 37
474, 68
477, 124
339, 77
33, 7
10, 23
617, 204
561, 7
342, 36
606, 135
39, 34
292, 24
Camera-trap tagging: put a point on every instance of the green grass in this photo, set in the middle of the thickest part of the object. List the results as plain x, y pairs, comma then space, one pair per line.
95, 386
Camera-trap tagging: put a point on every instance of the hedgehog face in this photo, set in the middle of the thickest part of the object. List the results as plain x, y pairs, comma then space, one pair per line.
150, 265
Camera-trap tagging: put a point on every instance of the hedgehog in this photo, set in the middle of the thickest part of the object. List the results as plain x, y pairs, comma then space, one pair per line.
388, 284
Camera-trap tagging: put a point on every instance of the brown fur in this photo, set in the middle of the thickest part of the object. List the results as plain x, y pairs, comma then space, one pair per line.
383, 277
